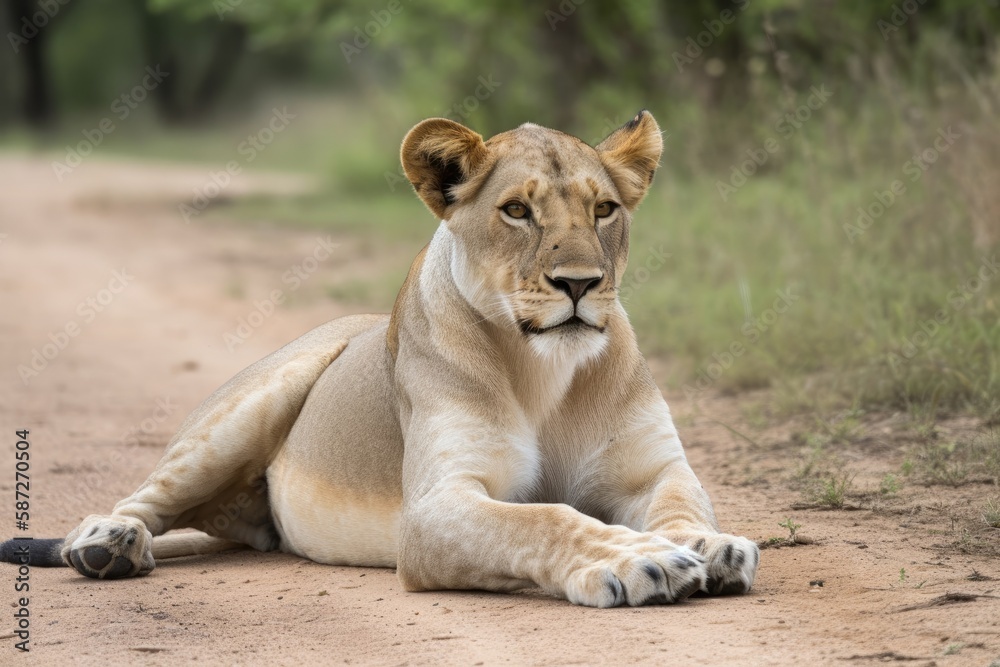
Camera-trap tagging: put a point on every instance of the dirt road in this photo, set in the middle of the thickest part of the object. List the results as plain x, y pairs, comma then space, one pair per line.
157, 305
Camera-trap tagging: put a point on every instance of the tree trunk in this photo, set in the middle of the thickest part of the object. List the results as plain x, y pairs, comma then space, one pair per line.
36, 102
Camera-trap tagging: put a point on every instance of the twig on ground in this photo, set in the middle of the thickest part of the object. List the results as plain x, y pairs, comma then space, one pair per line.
947, 598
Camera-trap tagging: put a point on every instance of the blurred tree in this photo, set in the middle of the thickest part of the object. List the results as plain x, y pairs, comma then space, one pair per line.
557, 62
31, 27
195, 84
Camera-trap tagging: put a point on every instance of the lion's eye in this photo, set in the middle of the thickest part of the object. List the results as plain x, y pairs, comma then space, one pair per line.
605, 209
516, 210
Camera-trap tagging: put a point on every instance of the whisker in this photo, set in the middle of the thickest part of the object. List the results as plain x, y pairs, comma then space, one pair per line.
497, 307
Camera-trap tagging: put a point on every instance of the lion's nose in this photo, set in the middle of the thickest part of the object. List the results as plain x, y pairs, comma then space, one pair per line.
574, 287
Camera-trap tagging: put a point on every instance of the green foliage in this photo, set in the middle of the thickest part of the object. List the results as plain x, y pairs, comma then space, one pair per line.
791, 526
991, 512
890, 485
830, 491
954, 648
956, 462
562, 63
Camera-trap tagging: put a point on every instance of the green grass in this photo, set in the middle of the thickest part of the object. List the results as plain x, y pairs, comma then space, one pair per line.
376, 292
830, 491
957, 461
376, 219
354, 156
991, 512
889, 485
857, 304
855, 330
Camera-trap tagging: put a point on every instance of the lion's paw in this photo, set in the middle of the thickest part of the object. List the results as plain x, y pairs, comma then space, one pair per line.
731, 562
105, 547
654, 572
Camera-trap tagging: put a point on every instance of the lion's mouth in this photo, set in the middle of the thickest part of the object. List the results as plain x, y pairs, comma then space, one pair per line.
573, 323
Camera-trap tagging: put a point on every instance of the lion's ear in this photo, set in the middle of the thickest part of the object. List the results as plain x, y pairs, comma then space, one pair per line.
631, 154
439, 154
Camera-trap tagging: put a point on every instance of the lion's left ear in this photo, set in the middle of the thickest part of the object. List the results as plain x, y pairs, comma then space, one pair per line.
439, 155
631, 154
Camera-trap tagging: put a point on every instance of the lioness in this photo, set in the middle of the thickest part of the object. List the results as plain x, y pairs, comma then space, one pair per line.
498, 430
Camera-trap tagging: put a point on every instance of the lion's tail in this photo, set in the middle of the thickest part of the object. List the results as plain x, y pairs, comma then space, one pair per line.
37, 553
46, 552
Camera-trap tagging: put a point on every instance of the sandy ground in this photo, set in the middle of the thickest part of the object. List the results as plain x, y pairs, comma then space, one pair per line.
102, 409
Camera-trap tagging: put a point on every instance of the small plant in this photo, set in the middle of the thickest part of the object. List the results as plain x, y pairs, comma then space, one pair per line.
792, 528
889, 485
813, 463
902, 575
954, 649
991, 512
844, 427
831, 491
968, 542
945, 464
925, 428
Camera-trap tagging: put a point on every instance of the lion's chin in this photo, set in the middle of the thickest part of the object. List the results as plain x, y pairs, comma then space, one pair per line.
569, 342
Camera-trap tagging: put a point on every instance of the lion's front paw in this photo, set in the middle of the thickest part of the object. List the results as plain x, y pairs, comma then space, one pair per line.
731, 561
105, 547
652, 572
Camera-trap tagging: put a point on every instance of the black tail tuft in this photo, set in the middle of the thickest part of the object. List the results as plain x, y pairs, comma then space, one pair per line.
37, 553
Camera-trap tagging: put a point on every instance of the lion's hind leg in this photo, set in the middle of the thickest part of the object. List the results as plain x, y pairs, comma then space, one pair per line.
212, 472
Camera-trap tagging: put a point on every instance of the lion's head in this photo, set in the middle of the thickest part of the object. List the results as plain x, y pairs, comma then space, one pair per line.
541, 221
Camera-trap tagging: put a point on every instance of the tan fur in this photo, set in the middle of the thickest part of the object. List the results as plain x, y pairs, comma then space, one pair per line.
395, 319
499, 430
186, 544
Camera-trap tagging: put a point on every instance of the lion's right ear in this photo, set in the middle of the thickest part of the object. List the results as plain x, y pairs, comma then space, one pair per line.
438, 155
